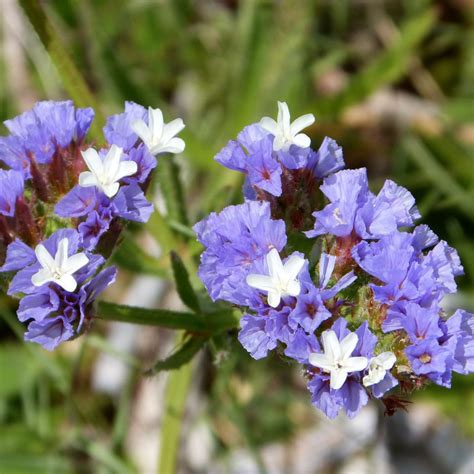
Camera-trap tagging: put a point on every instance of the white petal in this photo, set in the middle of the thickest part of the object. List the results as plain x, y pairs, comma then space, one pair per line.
110, 190
373, 377
293, 288
126, 168
280, 143
171, 129
321, 361
143, 132
269, 125
331, 345
301, 123
302, 140
44, 257
155, 123
87, 179
293, 266
93, 161
112, 163
41, 277
75, 262
386, 359
355, 364
348, 344
60, 258
260, 282
284, 118
273, 298
338, 377
275, 265
67, 282
175, 145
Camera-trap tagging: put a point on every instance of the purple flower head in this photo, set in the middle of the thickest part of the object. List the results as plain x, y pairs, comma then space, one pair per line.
23, 280
254, 337
301, 345
421, 323
118, 130
11, 188
145, 161
44, 128
428, 357
327, 160
460, 337
236, 239
347, 190
354, 208
337, 385
264, 172
58, 315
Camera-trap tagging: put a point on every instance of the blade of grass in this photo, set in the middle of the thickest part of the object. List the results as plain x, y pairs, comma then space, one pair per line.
175, 399
73, 82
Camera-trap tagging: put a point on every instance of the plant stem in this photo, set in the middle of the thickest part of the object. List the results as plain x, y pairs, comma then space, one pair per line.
175, 399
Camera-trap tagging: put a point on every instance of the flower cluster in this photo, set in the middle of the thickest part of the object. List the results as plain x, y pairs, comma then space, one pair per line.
64, 203
329, 273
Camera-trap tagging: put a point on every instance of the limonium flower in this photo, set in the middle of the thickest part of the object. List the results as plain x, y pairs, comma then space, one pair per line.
331, 275
63, 205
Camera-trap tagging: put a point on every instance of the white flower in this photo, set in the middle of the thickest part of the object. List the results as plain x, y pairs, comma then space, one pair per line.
336, 358
282, 279
60, 268
378, 366
286, 133
106, 174
159, 137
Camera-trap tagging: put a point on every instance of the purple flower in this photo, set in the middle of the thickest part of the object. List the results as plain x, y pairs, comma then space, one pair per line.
58, 315
460, 337
22, 281
345, 357
264, 172
118, 130
428, 357
327, 160
354, 208
254, 337
347, 190
11, 188
40, 131
237, 241
420, 323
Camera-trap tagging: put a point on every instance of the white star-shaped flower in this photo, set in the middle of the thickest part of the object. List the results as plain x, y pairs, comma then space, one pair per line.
282, 279
105, 174
286, 133
60, 268
378, 367
159, 137
337, 358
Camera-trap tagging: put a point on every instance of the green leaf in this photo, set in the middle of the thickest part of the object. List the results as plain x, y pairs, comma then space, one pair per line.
70, 76
183, 285
179, 357
201, 323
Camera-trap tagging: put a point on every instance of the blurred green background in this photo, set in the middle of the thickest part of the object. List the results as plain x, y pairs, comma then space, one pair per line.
391, 81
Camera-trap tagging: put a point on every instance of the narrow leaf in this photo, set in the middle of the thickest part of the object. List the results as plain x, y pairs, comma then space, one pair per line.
179, 357
183, 285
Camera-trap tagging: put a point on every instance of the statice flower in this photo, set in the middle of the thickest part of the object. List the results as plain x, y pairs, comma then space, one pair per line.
331, 275
63, 205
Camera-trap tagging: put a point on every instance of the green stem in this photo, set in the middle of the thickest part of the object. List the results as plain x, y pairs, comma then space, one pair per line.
175, 399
